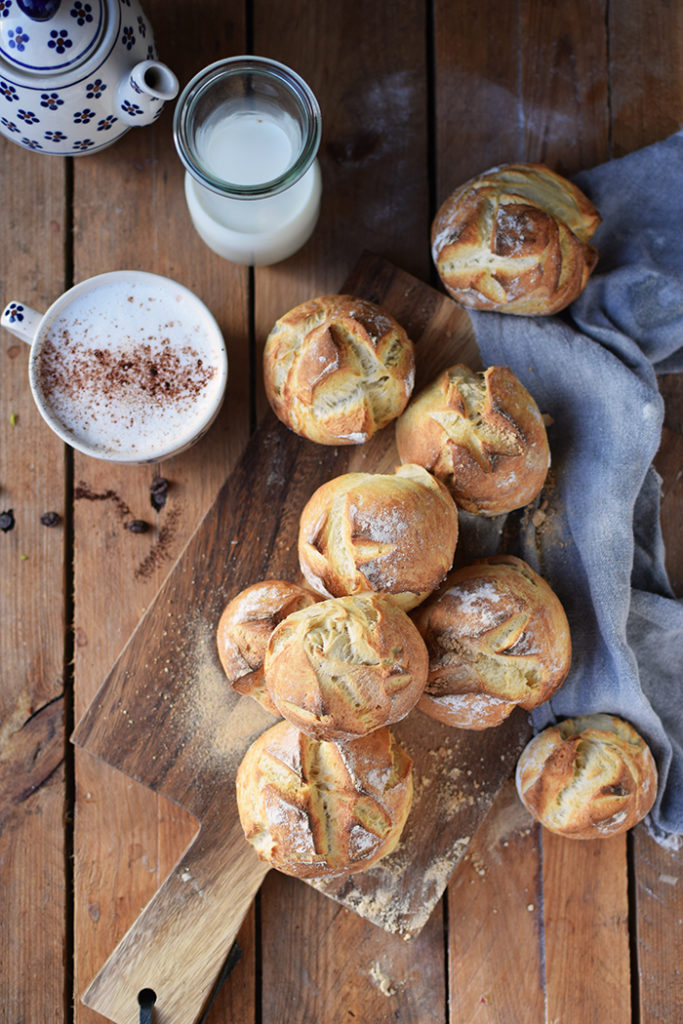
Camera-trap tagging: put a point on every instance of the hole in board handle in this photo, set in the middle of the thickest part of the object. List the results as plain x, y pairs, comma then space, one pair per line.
147, 997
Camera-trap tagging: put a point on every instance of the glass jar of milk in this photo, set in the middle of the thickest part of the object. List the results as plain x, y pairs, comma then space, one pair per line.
247, 130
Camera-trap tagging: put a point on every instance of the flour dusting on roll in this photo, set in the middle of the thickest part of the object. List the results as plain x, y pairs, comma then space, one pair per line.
317, 809
387, 533
244, 630
588, 777
337, 369
482, 435
515, 239
344, 667
497, 637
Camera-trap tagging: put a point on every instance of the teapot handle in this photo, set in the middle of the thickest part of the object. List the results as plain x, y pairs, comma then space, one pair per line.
39, 10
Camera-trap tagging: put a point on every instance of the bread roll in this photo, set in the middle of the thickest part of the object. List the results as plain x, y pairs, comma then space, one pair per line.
245, 627
515, 239
389, 533
337, 369
497, 636
345, 667
482, 434
314, 809
587, 777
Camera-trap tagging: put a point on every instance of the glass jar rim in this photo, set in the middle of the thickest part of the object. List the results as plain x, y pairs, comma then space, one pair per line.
229, 67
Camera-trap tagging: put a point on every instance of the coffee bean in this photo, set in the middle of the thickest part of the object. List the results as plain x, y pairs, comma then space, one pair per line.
158, 491
50, 519
7, 520
159, 485
138, 526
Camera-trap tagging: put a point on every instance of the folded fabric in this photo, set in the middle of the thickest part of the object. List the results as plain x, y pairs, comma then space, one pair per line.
594, 534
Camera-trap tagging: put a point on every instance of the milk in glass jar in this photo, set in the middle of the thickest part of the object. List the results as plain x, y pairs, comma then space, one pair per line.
247, 130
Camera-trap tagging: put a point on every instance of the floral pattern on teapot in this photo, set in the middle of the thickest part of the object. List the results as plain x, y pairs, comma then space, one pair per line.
91, 106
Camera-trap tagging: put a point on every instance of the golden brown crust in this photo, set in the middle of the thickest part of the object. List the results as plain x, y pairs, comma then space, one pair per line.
588, 777
497, 637
515, 240
315, 809
344, 667
482, 434
337, 369
244, 630
366, 532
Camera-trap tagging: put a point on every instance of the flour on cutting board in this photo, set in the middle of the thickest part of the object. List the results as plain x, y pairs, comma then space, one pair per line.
226, 721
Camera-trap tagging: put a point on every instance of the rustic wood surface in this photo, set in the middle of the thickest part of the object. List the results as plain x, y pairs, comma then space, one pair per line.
416, 97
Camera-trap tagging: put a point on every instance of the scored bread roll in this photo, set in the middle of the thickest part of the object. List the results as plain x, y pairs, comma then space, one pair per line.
515, 239
587, 777
482, 434
497, 637
244, 630
312, 809
389, 533
344, 667
337, 369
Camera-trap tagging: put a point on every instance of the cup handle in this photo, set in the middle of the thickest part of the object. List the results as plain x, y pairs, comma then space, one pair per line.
21, 321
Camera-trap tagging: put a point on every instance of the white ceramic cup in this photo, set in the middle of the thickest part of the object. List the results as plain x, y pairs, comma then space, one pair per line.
126, 366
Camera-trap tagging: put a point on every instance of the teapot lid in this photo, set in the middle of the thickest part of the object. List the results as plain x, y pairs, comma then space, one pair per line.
49, 35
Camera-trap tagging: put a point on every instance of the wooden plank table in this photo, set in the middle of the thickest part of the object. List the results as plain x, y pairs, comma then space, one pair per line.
416, 97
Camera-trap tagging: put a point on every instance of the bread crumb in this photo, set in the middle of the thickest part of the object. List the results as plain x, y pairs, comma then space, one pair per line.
382, 981
478, 865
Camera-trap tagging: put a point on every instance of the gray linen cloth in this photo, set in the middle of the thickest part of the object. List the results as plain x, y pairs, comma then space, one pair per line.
594, 533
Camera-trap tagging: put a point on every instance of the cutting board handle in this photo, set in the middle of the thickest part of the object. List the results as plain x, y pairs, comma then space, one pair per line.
200, 907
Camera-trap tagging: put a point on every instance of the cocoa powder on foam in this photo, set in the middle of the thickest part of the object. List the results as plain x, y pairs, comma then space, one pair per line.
148, 372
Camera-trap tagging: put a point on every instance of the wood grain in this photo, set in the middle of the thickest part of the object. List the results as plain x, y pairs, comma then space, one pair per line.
33, 894
658, 916
479, 117
586, 929
646, 73
341, 968
565, 111
495, 918
489, 91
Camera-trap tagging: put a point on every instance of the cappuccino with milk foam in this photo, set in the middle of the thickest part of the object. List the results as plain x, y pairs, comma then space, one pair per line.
132, 369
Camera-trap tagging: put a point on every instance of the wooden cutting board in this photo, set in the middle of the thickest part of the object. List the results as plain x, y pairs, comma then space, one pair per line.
166, 717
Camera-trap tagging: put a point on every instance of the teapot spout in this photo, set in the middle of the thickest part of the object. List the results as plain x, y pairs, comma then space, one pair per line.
143, 92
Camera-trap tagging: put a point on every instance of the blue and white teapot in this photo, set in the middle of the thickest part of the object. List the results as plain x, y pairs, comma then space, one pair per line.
76, 74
